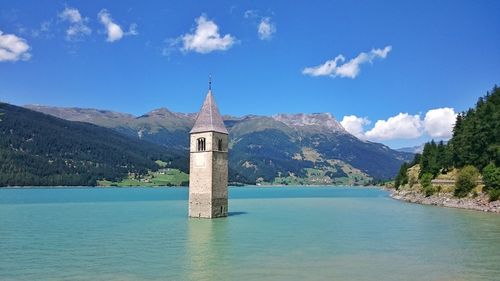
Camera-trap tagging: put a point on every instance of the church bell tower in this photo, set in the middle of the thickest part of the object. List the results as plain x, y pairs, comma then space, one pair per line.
208, 162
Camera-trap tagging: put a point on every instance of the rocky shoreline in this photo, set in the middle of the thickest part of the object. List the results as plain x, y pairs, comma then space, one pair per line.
478, 203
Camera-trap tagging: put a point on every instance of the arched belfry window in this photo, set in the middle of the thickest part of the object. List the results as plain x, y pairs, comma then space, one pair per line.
219, 144
200, 144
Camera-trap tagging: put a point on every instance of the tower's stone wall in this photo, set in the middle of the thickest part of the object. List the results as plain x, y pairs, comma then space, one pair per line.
208, 176
219, 176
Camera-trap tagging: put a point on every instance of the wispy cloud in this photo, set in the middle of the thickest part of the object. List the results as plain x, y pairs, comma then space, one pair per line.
205, 38
13, 48
171, 46
113, 30
77, 29
338, 67
266, 29
43, 30
251, 14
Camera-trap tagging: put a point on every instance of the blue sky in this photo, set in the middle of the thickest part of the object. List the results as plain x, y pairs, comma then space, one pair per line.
395, 59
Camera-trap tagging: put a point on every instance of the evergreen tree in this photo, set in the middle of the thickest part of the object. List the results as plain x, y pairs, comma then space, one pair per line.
443, 157
476, 135
428, 161
416, 159
457, 141
402, 176
491, 177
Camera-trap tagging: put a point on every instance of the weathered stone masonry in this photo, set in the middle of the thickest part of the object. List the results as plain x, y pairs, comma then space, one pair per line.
208, 169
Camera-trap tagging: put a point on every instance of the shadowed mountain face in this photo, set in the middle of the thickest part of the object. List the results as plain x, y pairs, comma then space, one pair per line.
263, 149
39, 149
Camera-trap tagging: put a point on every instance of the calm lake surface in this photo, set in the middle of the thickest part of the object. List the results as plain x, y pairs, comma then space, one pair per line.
271, 234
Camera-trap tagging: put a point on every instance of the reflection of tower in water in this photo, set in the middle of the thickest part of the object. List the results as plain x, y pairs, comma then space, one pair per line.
207, 257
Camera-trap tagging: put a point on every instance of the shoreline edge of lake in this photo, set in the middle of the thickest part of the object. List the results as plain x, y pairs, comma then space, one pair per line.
478, 203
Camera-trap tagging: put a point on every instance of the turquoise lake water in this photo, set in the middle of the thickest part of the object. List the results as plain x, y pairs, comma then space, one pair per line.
271, 234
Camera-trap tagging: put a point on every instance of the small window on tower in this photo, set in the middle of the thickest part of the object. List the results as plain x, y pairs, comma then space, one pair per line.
219, 145
200, 144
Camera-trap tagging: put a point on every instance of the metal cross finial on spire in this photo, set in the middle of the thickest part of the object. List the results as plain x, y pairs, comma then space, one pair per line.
210, 82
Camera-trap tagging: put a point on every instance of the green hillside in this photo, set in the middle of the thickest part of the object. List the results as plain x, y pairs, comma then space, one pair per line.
39, 149
474, 150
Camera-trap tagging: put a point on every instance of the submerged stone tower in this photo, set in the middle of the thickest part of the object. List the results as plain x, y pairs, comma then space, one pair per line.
208, 162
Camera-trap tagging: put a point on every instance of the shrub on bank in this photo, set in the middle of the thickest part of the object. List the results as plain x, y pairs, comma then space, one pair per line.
426, 179
430, 190
466, 181
494, 194
491, 177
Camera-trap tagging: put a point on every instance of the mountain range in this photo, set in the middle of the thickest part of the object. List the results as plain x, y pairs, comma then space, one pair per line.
279, 149
37, 149
412, 149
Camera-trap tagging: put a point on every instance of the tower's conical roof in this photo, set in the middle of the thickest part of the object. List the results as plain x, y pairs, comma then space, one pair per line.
209, 119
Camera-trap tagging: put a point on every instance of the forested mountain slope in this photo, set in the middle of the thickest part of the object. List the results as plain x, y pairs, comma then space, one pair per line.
39, 149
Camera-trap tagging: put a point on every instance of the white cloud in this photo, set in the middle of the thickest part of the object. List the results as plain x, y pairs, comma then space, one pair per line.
401, 126
354, 125
113, 30
350, 69
381, 53
13, 48
77, 29
439, 122
71, 14
266, 29
206, 38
